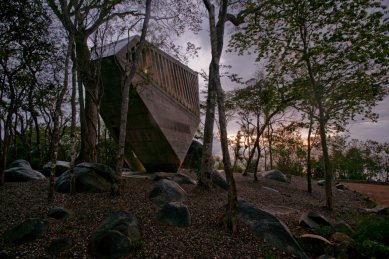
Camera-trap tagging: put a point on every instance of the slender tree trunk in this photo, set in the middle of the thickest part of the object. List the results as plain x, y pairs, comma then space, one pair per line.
309, 167
7, 138
57, 117
216, 37
73, 151
270, 140
257, 163
327, 169
127, 82
322, 120
231, 220
256, 143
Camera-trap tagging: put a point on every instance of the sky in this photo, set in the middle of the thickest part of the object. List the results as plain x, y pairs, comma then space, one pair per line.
245, 66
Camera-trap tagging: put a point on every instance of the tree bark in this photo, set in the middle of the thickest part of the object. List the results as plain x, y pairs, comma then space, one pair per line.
206, 159
57, 116
322, 119
73, 151
309, 148
130, 71
216, 38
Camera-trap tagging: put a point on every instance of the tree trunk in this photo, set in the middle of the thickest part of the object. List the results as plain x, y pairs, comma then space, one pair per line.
89, 154
327, 169
55, 135
231, 219
127, 83
256, 164
315, 86
216, 38
270, 140
73, 152
206, 159
309, 167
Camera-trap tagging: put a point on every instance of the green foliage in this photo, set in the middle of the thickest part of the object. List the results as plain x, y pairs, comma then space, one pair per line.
372, 236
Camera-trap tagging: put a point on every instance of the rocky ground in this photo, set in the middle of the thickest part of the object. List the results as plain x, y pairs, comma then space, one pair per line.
205, 238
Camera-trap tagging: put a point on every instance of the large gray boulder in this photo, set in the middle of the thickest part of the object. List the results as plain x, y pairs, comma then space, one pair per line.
219, 180
268, 227
28, 230
20, 163
315, 244
313, 220
90, 177
275, 175
21, 171
174, 214
116, 237
60, 168
176, 177
166, 191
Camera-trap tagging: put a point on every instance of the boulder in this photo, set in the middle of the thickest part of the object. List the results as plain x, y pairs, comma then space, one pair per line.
59, 245
166, 191
321, 182
219, 180
280, 210
21, 171
182, 179
21, 174
313, 220
270, 189
268, 227
90, 177
176, 177
315, 244
29, 230
20, 163
116, 237
60, 168
174, 214
340, 186
275, 175
59, 213
325, 257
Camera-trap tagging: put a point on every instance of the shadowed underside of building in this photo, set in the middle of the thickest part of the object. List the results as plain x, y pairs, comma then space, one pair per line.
163, 108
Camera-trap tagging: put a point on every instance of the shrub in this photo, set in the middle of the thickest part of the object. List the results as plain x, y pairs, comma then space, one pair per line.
372, 236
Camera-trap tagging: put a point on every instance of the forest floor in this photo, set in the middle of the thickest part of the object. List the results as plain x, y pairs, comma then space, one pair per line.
205, 238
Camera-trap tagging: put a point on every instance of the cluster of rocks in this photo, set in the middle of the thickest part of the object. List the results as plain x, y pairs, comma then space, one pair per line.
36, 228
328, 240
89, 177
168, 195
119, 234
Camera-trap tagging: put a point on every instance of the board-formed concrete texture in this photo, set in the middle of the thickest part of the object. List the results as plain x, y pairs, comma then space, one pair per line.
163, 108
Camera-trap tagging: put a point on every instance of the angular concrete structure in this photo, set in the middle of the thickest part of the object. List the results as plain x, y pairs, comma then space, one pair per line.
163, 109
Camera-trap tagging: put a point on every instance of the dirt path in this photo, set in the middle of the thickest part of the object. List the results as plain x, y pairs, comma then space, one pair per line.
377, 192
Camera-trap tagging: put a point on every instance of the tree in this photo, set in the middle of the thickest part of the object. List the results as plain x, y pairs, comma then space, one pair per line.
338, 48
127, 83
23, 49
81, 20
263, 100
